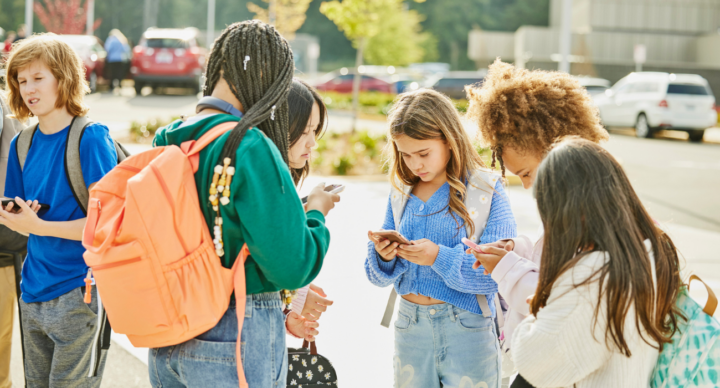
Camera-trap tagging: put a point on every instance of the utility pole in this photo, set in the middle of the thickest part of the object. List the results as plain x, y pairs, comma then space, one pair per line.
90, 17
210, 24
272, 12
28, 18
565, 36
150, 14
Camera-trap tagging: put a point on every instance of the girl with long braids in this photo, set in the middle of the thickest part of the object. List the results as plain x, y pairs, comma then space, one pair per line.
247, 196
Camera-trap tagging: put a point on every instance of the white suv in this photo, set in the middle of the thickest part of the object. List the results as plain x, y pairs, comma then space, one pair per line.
651, 101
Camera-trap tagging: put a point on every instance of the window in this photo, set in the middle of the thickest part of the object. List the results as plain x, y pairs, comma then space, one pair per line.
646, 87
699, 90
166, 43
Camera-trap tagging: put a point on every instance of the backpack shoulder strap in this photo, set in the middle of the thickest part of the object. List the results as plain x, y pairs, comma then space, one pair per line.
23, 143
73, 168
398, 200
480, 190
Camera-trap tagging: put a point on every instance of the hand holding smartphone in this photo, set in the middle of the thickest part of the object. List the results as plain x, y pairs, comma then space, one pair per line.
333, 189
472, 245
392, 236
16, 207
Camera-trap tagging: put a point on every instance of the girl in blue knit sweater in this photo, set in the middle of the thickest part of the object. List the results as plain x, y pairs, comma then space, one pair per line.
442, 335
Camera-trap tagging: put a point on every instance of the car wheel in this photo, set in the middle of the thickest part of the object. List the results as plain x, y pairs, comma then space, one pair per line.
138, 88
93, 82
696, 136
642, 127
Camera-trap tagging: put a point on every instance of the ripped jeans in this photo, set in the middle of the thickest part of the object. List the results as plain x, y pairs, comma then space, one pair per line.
445, 346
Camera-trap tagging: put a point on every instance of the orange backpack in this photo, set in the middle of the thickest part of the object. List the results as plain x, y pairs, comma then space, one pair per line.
151, 253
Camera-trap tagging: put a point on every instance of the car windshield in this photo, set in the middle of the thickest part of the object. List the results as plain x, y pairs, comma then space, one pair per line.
166, 43
699, 90
592, 90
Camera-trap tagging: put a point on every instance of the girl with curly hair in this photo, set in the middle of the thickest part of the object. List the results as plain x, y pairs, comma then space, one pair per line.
520, 115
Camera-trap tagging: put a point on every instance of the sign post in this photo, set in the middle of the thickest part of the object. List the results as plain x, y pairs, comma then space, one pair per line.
639, 55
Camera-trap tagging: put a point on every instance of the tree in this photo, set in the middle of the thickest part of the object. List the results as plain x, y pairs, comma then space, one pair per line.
286, 15
400, 41
64, 16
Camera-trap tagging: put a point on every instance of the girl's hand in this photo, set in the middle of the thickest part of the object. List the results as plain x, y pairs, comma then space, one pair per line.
488, 258
384, 247
508, 245
24, 219
421, 252
321, 200
315, 303
301, 327
530, 299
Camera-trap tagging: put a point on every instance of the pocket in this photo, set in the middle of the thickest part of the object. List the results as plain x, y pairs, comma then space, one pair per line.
200, 288
468, 321
92, 307
131, 294
208, 364
402, 322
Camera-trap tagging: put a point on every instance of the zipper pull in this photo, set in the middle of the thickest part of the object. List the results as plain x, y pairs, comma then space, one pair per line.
88, 287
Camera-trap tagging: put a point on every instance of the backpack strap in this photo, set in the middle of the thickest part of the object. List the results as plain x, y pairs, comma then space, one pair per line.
23, 143
478, 200
73, 168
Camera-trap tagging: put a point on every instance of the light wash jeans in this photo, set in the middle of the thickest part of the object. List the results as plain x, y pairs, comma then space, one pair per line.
209, 359
445, 346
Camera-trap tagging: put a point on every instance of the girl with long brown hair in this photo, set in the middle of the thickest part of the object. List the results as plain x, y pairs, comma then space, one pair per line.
443, 336
599, 317
520, 114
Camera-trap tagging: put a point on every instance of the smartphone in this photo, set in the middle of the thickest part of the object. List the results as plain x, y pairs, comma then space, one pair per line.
334, 189
393, 236
5, 202
472, 245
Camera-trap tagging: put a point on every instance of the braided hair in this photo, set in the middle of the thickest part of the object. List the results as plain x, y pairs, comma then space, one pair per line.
257, 63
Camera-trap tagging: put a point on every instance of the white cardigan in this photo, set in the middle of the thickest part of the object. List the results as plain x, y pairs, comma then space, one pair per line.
563, 347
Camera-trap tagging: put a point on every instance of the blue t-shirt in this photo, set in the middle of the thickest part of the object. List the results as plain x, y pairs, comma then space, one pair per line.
55, 266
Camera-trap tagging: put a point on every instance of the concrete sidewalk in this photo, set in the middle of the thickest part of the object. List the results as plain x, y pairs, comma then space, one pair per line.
350, 332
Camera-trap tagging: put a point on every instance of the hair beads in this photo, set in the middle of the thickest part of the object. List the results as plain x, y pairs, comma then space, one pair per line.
220, 188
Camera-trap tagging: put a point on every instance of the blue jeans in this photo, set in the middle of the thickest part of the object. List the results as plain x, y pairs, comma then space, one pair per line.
445, 346
208, 360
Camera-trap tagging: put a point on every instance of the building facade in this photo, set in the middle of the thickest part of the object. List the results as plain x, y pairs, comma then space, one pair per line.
680, 36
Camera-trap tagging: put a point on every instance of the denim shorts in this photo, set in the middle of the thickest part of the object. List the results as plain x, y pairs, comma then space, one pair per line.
208, 360
445, 346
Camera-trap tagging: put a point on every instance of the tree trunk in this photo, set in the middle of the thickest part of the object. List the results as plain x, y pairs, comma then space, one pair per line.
356, 83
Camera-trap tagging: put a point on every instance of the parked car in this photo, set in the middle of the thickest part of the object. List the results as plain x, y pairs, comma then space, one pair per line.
343, 83
594, 86
92, 53
453, 83
168, 57
652, 101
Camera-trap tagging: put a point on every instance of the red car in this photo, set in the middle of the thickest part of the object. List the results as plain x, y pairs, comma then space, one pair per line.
344, 84
93, 54
168, 57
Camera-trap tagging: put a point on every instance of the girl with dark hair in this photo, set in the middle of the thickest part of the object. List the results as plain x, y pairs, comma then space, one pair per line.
598, 316
308, 116
247, 196
520, 114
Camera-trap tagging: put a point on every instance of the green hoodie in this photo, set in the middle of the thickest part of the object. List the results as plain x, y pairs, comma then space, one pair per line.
287, 245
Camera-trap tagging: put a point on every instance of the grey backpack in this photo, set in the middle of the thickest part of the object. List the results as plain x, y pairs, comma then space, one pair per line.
73, 169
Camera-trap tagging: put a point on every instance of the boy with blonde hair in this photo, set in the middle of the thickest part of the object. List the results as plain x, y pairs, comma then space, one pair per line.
62, 333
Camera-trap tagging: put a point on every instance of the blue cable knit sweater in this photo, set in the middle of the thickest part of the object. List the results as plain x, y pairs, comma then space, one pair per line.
451, 278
